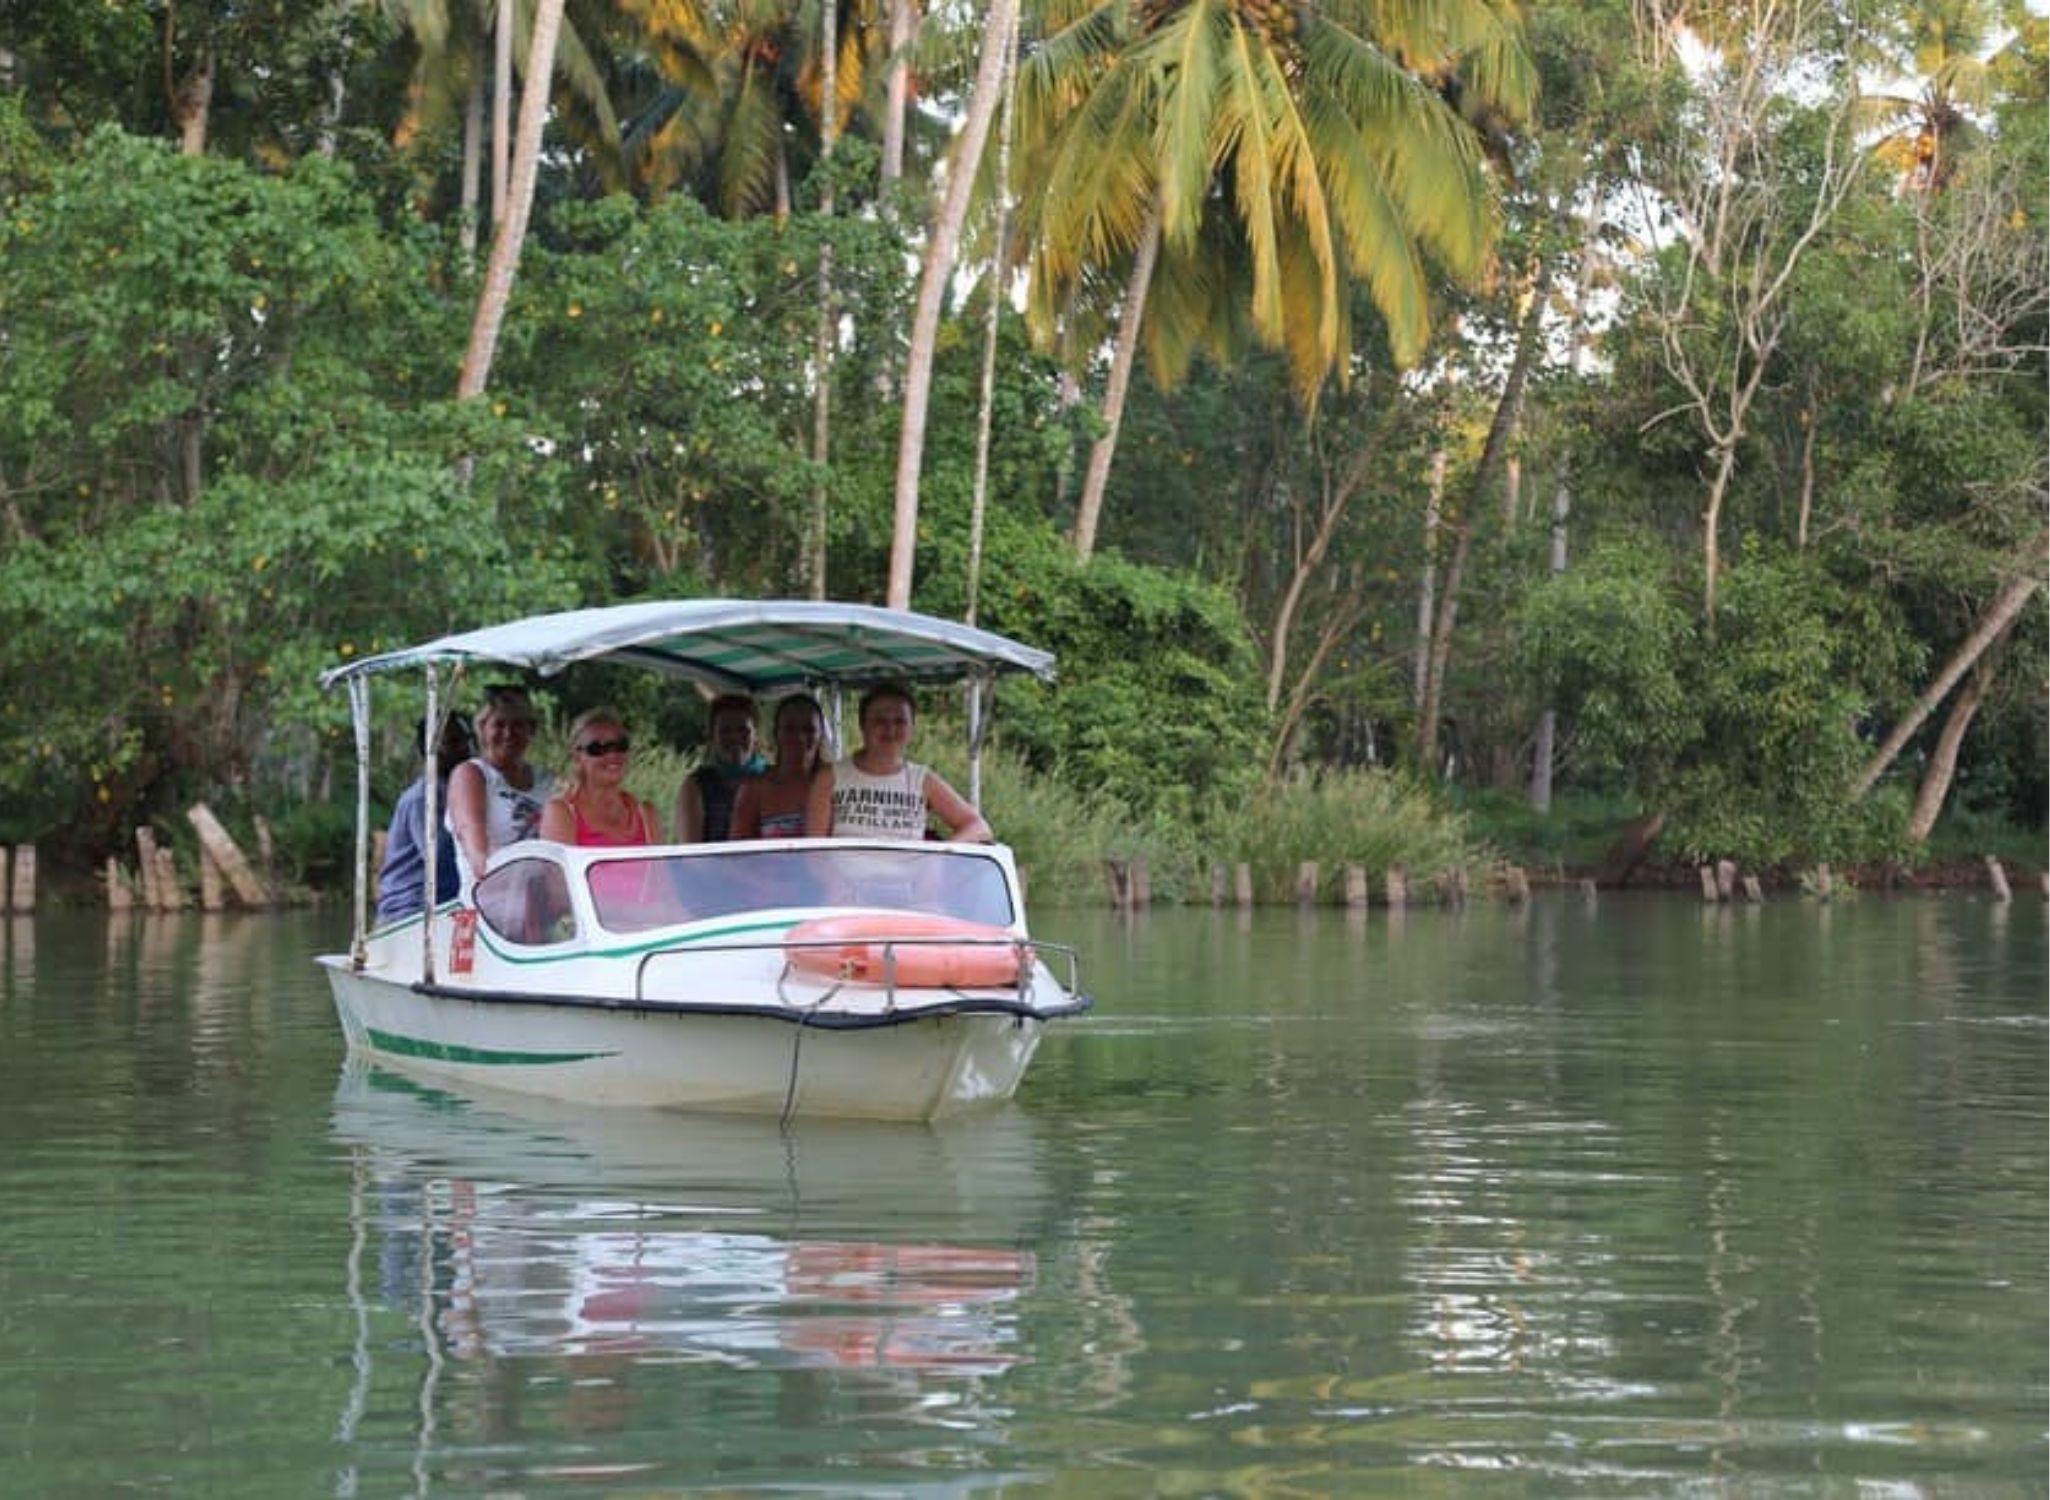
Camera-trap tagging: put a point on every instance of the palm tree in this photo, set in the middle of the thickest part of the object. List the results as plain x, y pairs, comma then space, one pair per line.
737, 86
463, 54
1946, 42
1280, 152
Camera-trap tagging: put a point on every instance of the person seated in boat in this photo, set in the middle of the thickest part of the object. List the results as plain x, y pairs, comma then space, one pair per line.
704, 803
773, 804
495, 798
879, 793
595, 810
402, 878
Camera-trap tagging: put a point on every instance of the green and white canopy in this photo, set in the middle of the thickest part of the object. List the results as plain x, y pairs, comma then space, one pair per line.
732, 645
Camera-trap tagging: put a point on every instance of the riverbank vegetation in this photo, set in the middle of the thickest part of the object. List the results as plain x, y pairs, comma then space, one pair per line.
1418, 430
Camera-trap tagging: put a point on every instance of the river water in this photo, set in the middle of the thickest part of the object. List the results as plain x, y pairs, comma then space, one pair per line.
1629, 1198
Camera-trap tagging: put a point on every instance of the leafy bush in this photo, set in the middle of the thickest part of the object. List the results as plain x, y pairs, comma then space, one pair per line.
1377, 819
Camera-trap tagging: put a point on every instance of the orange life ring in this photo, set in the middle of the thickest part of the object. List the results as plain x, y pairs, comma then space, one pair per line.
979, 957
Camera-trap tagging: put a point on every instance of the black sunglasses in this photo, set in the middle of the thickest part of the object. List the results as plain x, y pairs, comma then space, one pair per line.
606, 747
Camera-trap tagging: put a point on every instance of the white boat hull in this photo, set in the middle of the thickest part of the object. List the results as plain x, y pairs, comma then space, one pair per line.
684, 1057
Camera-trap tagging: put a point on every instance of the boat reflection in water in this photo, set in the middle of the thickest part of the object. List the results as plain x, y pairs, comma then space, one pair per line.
537, 1244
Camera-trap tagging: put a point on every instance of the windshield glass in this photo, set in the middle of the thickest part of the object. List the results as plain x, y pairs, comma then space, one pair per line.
638, 892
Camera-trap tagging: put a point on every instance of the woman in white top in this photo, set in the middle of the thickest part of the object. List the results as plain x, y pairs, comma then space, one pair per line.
496, 799
877, 793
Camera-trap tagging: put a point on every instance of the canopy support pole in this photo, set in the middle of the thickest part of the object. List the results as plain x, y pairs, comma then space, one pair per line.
359, 717
978, 730
430, 823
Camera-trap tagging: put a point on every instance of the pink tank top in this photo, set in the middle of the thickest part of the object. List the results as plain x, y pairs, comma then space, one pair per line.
594, 838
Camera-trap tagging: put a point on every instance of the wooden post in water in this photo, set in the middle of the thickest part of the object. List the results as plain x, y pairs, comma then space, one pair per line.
146, 866
1141, 887
1398, 887
1825, 883
1242, 880
1726, 880
169, 891
1116, 877
1355, 887
119, 896
1219, 879
1306, 883
213, 895
216, 843
1753, 892
1516, 885
1707, 873
1998, 876
1452, 886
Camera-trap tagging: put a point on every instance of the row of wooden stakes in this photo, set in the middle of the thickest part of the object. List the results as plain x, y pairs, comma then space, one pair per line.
1131, 885
1722, 881
226, 875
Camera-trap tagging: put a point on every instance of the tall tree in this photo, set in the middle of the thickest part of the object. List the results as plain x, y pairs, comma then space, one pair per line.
1748, 197
1278, 154
943, 238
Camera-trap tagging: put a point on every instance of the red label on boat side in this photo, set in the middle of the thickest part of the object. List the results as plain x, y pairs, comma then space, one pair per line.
462, 942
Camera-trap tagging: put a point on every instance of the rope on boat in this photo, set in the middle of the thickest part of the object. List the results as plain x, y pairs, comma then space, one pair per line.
804, 1015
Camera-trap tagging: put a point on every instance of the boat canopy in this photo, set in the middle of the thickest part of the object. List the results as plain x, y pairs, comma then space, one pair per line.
732, 645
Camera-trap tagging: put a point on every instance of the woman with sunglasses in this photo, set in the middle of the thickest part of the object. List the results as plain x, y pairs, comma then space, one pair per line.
595, 809
496, 798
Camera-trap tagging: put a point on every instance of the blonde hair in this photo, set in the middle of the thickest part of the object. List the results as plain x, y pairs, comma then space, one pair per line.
603, 713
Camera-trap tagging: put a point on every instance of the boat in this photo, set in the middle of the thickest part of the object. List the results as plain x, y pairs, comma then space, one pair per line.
843, 978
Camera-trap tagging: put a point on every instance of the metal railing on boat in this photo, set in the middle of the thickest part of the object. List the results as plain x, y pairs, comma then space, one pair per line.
1032, 954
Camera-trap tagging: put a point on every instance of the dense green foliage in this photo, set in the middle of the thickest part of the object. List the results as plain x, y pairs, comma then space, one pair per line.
1790, 469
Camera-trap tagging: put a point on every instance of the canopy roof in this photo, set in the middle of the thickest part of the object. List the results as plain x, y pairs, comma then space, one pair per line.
734, 645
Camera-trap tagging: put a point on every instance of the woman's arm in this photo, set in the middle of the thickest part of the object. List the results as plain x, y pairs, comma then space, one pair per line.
818, 805
650, 821
558, 822
690, 812
466, 816
964, 824
747, 812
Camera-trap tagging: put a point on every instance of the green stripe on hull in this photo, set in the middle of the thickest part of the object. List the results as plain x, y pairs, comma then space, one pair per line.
408, 1046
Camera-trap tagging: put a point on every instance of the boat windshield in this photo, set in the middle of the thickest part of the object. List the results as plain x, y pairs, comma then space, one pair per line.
639, 892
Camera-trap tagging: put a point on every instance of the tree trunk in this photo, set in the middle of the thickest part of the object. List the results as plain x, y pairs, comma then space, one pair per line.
1335, 500
1935, 788
192, 106
985, 411
1494, 453
501, 112
473, 163
1989, 630
1630, 849
941, 242
1545, 748
1427, 590
897, 90
1432, 709
1712, 526
512, 226
1089, 509
814, 563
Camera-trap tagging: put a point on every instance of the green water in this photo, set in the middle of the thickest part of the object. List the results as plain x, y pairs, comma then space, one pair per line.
1634, 1198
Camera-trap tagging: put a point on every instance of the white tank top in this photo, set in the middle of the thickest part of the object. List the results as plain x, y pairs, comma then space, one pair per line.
509, 813
878, 807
